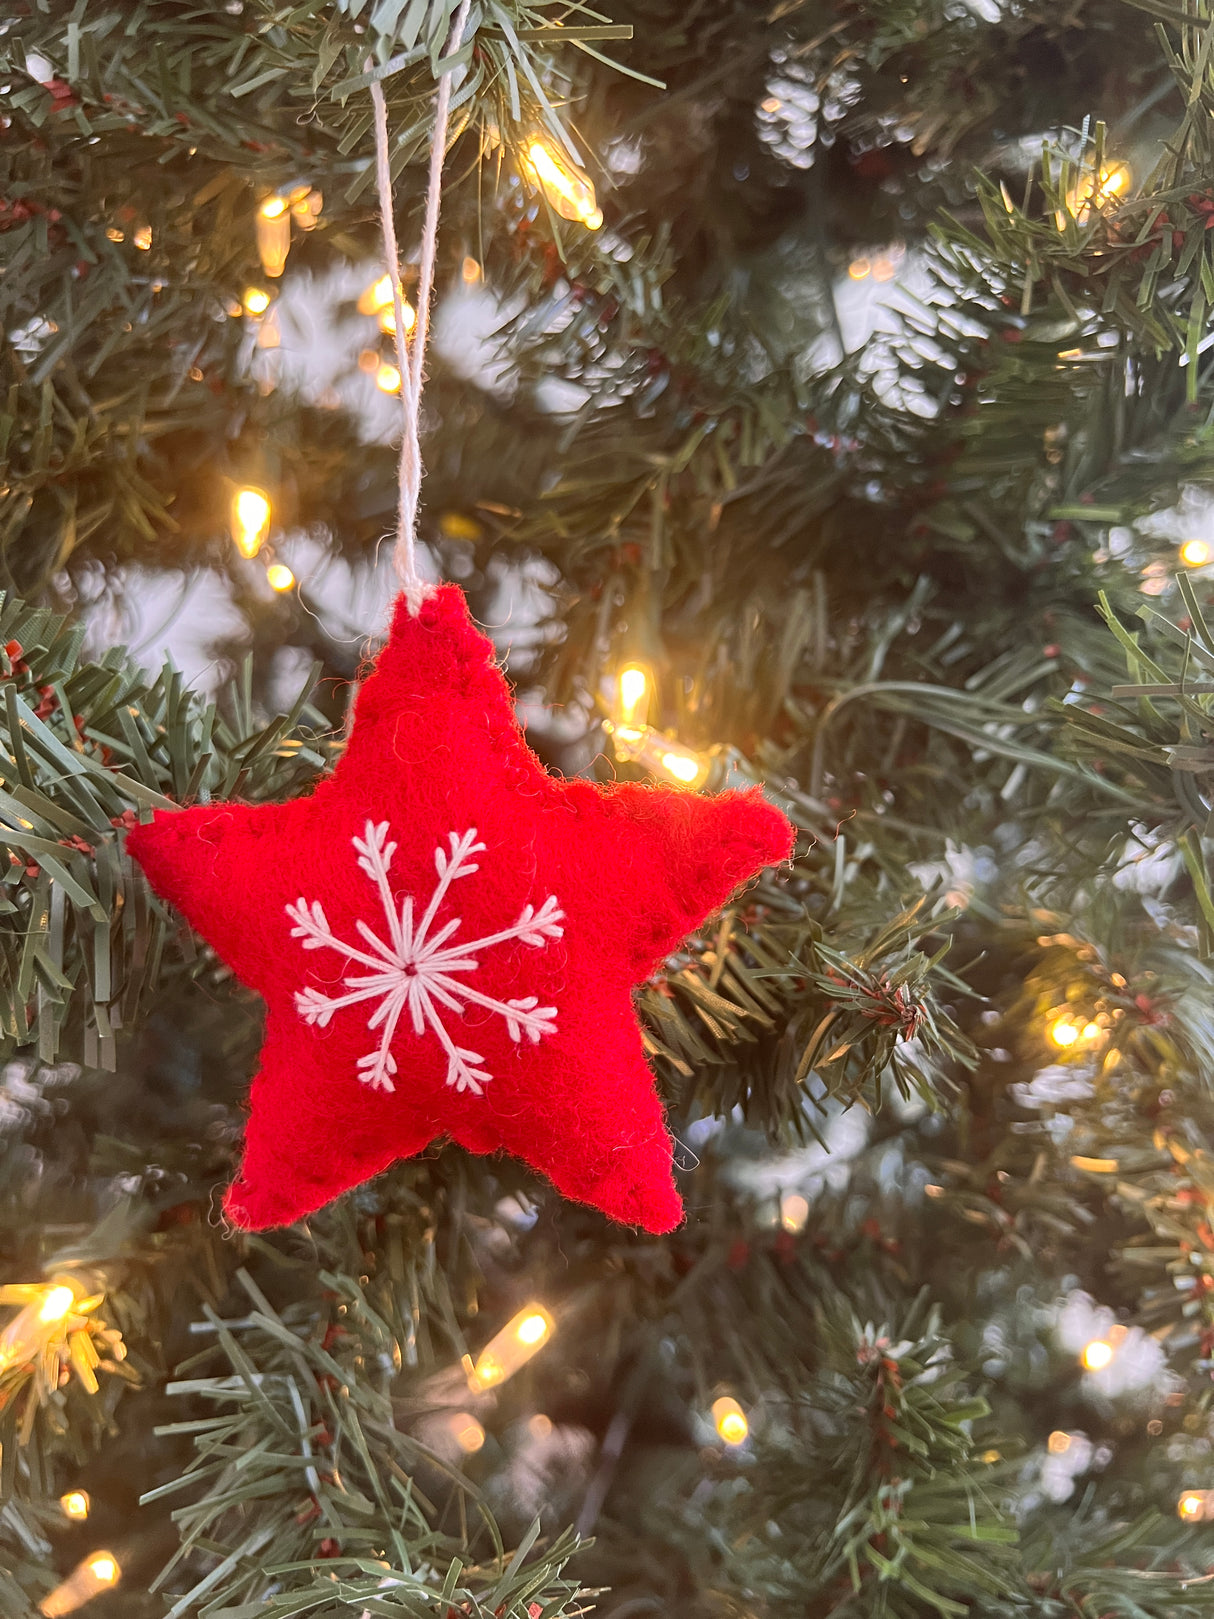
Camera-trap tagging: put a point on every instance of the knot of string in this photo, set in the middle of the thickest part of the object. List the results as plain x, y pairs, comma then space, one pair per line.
411, 357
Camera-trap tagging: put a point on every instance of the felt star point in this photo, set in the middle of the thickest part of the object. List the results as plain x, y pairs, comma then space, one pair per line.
447, 939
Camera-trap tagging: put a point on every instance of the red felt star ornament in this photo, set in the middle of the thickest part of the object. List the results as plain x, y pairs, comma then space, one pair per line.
446, 938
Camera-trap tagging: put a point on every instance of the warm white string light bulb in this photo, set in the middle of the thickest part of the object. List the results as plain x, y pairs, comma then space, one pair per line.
387, 317
1095, 188
1097, 1355
279, 577
96, 1573
729, 1419
44, 1309
377, 300
250, 520
274, 234
522, 1336
467, 1432
55, 1305
637, 741
306, 205
1069, 1031
634, 690
569, 191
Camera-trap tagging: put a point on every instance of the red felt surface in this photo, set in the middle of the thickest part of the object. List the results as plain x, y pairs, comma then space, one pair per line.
434, 749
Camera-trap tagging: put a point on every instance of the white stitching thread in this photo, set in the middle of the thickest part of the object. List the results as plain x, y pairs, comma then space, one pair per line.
414, 971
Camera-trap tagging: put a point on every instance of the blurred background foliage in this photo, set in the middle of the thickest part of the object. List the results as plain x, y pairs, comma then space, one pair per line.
873, 421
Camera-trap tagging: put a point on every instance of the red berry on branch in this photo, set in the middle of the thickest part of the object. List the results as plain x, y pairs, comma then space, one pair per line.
61, 94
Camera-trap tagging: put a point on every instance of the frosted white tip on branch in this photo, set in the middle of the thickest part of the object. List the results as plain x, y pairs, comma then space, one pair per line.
415, 970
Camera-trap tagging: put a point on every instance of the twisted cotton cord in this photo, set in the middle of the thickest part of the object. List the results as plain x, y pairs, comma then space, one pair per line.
411, 365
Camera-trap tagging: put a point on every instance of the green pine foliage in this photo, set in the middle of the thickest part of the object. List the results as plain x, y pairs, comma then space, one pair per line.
941, 1086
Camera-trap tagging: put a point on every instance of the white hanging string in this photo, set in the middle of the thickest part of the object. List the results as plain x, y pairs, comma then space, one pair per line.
411, 364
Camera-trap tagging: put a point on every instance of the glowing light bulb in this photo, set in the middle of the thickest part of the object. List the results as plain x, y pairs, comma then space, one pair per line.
533, 1329
376, 297
306, 205
1195, 1506
387, 379
470, 270
1195, 553
279, 577
1091, 1031
250, 520
1058, 1443
681, 766
511, 1348
794, 1211
634, 696
1094, 189
1097, 1355
730, 1420
75, 1505
256, 300
274, 234
633, 685
1063, 1032
665, 756
55, 1305
98, 1572
859, 268
569, 191
143, 238
467, 1432
387, 317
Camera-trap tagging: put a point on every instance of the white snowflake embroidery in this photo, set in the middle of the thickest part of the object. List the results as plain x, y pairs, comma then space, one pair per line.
414, 970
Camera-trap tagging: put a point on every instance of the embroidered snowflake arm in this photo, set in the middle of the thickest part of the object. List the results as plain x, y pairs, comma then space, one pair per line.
458, 863
374, 858
533, 927
377, 1067
521, 1017
462, 1071
314, 1006
312, 926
